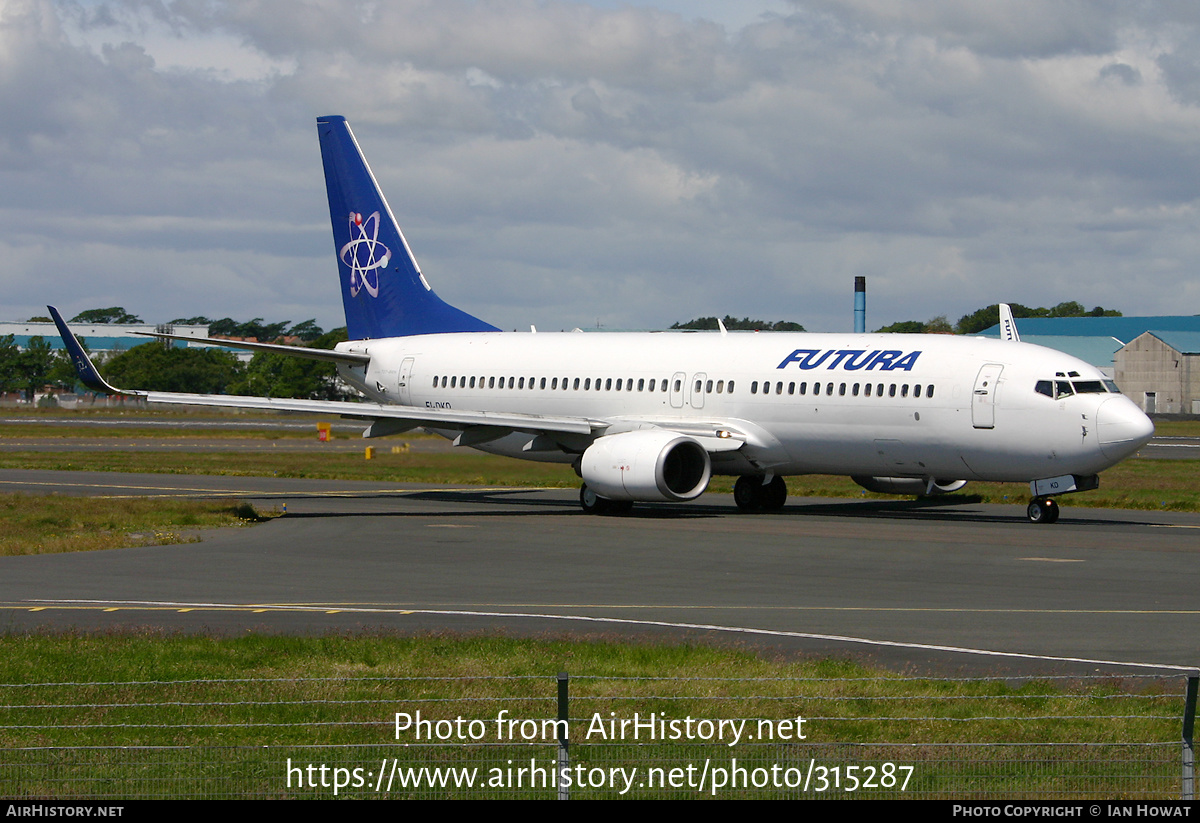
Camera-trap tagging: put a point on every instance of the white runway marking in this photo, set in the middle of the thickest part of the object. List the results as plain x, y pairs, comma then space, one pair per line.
112, 605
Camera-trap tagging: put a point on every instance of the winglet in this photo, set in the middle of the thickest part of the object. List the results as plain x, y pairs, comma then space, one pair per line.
84, 368
1008, 326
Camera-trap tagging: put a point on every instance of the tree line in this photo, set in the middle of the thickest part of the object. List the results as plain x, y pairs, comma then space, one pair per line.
972, 323
989, 316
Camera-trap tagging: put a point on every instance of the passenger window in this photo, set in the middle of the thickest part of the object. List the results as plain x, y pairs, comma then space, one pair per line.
867, 389
618, 384
842, 390
641, 383
904, 390
804, 388
855, 390
708, 386
678, 385
491, 382
543, 383
730, 387
929, 391
816, 389
829, 389
917, 390
892, 390
576, 384
754, 387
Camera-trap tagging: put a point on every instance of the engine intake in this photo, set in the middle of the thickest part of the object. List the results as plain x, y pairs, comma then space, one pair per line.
646, 465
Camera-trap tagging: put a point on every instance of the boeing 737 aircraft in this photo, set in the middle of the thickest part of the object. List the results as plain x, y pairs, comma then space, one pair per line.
652, 416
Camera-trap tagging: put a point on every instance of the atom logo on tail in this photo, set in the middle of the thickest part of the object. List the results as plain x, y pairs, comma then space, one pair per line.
364, 255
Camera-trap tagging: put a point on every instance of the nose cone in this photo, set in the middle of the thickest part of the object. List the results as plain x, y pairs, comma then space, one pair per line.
1122, 428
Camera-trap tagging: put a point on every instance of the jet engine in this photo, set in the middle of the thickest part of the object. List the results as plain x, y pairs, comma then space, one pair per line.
651, 464
923, 486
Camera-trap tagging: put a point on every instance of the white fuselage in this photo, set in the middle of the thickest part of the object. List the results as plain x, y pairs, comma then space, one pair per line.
866, 404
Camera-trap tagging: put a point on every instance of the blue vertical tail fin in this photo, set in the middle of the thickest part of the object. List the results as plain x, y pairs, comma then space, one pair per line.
383, 290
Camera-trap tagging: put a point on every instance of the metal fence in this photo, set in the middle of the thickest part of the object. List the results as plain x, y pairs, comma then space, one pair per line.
600, 737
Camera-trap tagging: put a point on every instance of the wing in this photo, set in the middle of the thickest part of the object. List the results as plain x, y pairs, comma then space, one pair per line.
398, 418
327, 355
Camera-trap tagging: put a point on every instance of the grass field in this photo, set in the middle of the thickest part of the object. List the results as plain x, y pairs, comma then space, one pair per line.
193, 716
48, 524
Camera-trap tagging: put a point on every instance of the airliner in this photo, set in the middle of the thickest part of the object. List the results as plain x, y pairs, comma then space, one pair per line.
645, 417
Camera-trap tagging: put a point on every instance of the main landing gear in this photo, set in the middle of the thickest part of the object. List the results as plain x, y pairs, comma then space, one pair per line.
750, 494
593, 503
1042, 510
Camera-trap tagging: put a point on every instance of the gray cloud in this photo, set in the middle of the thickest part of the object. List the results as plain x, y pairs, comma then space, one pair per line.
559, 163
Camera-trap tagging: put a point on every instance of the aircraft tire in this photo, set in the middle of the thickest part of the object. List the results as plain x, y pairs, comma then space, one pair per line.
748, 493
1042, 510
593, 503
774, 494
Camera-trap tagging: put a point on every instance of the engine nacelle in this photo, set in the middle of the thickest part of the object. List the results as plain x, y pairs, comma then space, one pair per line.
923, 486
646, 465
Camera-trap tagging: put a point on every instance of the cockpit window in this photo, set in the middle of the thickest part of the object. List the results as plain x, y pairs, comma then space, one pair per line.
1090, 387
1056, 389
1111, 385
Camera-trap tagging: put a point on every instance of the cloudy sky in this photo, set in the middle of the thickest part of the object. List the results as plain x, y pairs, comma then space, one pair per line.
565, 162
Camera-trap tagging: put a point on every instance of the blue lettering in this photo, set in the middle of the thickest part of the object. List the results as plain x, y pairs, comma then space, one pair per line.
906, 362
884, 358
856, 363
851, 359
842, 355
808, 362
794, 357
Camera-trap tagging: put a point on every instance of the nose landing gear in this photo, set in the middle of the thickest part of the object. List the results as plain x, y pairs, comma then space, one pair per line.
1042, 510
